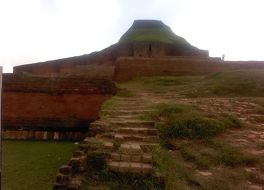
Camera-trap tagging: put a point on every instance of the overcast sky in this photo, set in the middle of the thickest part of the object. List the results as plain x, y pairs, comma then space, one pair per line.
40, 30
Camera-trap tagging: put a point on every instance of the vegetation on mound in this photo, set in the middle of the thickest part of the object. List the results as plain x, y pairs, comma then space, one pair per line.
180, 174
208, 154
239, 83
222, 84
164, 35
187, 121
33, 165
158, 32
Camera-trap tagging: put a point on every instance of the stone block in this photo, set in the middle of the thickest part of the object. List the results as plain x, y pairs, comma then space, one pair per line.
124, 147
75, 184
146, 158
146, 168
56, 136
136, 158
50, 136
57, 186
75, 163
135, 168
119, 137
108, 145
124, 167
73, 187
114, 166
6, 135
78, 153
24, 135
66, 170
136, 147
125, 157
63, 179
45, 135
38, 135
115, 156
30, 135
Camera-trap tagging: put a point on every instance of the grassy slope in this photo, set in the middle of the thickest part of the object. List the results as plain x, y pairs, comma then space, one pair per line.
228, 84
31, 165
225, 162
162, 34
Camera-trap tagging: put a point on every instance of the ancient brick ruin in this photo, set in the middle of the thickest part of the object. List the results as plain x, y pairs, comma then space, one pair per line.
41, 99
55, 108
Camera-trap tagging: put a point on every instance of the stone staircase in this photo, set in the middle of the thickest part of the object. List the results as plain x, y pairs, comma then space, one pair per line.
124, 137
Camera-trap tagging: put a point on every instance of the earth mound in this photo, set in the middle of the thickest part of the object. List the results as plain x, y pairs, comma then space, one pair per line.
151, 31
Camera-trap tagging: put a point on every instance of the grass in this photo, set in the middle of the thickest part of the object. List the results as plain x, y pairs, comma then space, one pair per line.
221, 84
179, 172
175, 172
154, 34
236, 83
189, 134
212, 153
187, 121
32, 165
231, 156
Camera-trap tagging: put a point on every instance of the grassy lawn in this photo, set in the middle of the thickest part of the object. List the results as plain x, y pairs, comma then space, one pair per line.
32, 165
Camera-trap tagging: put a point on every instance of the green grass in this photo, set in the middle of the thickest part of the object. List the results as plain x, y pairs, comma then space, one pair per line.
33, 165
236, 83
222, 84
208, 154
162, 34
187, 121
231, 156
175, 172
179, 168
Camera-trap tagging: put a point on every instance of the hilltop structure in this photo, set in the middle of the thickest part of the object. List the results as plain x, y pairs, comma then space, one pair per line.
144, 39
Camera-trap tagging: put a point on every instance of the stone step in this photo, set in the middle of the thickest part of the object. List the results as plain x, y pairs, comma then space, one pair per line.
130, 167
128, 137
121, 122
98, 124
137, 148
130, 148
131, 123
132, 106
141, 158
93, 143
137, 130
129, 102
125, 116
128, 98
127, 112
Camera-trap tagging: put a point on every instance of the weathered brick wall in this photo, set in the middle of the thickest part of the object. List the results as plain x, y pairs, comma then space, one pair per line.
48, 105
128, 68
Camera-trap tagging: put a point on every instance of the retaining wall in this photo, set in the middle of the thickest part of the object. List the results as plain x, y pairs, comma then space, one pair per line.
51, 108
128, 68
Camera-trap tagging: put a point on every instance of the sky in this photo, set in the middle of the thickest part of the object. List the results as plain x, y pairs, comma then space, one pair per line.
40, 30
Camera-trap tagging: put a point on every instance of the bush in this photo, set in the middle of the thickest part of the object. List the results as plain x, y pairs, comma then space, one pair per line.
191, 127
232, 157
187, 121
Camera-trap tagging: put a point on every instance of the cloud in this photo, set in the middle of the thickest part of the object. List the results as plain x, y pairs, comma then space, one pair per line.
39, 30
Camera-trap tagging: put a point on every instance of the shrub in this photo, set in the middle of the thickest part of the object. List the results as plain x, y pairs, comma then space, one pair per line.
186, 121
191, 127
